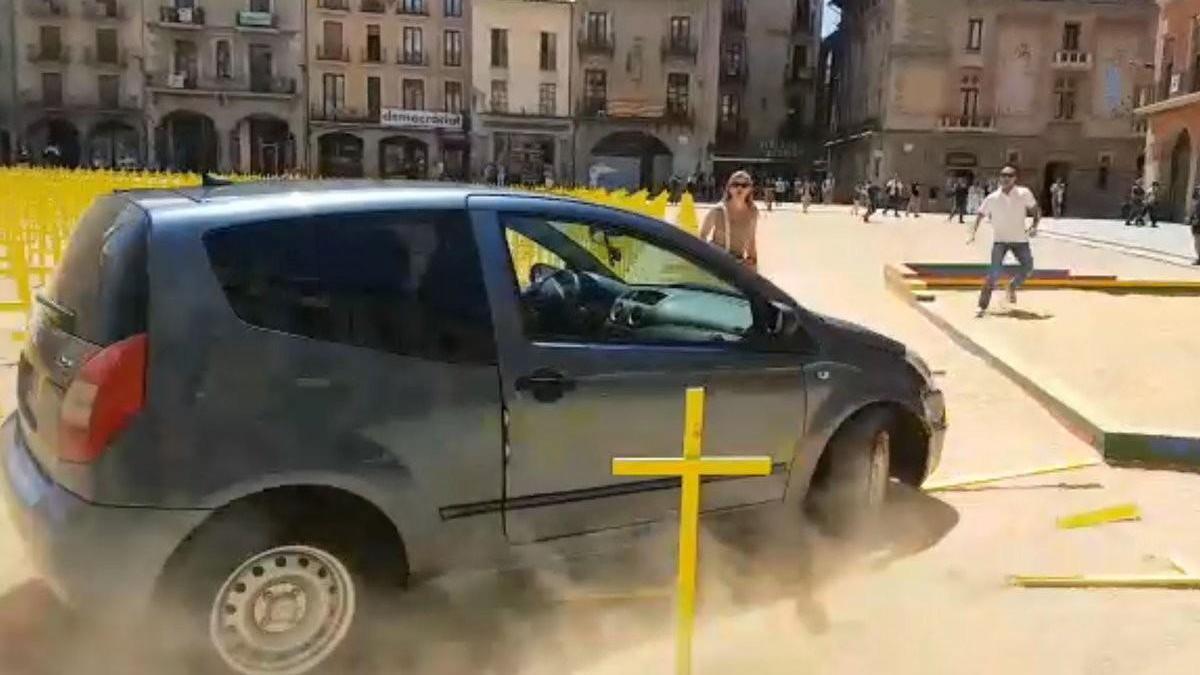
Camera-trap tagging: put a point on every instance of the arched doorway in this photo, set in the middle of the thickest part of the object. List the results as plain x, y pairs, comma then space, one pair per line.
340, 155
403, 157
113, 145
187, 141
263, 145
633, 159
1181, 173
54, 142
1054, 171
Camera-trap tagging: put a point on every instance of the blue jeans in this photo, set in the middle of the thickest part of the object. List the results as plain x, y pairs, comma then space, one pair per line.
1023, 255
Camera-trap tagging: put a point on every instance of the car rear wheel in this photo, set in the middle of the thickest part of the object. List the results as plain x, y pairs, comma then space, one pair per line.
851, 483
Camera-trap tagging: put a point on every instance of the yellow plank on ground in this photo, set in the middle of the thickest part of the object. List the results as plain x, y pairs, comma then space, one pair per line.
1111, 514
1177, 581
966, 482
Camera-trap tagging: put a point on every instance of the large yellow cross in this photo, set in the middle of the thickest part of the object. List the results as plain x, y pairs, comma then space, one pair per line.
689, 468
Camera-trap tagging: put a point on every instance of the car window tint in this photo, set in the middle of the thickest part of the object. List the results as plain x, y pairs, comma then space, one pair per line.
408, 282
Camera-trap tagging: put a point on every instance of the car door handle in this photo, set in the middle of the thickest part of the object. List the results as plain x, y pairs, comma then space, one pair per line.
545, 385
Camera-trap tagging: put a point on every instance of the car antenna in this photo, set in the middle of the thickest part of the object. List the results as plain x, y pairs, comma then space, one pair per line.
208, 180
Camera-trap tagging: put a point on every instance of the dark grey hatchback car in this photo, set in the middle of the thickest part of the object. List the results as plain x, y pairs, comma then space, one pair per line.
262, 400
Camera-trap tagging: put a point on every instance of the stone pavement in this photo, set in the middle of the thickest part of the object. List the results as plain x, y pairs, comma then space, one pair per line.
1169, 243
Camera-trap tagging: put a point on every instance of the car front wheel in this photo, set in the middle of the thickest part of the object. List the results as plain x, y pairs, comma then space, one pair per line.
851, 483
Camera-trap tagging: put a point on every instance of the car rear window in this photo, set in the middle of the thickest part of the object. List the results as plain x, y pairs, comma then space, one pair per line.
100, 290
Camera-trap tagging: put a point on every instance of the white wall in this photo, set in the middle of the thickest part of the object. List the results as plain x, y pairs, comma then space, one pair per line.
524, 20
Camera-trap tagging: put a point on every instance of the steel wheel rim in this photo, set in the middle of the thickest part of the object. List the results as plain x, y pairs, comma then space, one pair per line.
877, 474
282, 611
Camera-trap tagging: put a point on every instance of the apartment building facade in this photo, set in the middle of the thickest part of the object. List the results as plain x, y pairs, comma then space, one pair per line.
933, 90
8, 85
644, 89
223, 85
1172, 108
388, 87
77, 80
522, 124
768, 88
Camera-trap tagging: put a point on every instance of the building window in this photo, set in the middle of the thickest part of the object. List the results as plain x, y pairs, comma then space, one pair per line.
452, 7
333, 93
974, 35
106, 45
412, 94
734, 52
52, 89
1013, 158
186, 63
677, 95
1070, 41
374, 44
51, 42
499, 48
1102, 174
224, 60
452, 48
413, 47
547, 98
1064, 98
331, 49
412, 7
595, 91
803, 16
262, 68
108, 88
799, 61
374, 97
731, 109
548, 52
968, 91
596, 28
453, 101
681, 32
500, 96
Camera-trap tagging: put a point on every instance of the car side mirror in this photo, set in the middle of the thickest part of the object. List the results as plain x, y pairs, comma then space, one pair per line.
783, 320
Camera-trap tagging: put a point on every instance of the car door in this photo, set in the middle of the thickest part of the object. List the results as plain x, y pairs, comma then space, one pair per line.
574, 400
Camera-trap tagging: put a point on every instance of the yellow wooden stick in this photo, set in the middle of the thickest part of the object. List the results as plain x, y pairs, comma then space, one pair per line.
1110, 514
1108, 581
689, 468
971, 481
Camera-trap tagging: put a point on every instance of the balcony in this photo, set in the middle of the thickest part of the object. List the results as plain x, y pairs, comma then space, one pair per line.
181, 17
98, 9
372, 6
48, 53
376, 56
105, 57
1067, 59
731, 132
412, 7
733, 72
334, 5
802, 24
57, 101
634, 110
799, 75
46, 9
333, 53
191, 84
681, 47
967, 123
678, 116
595, 44
410, 58
733, 15
592, 107
344, 114
257, 21
1175, 89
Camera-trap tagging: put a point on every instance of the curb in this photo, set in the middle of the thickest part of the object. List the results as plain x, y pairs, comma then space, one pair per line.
1150, 448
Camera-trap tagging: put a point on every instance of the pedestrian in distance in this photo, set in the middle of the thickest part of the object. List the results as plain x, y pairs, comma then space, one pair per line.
895, 194
805, 197
874, 194
914, 200
1194, 221
1006, 209
769, 193
1058, 195
827, 190
1137, 205
1152, 196
733, 225
781, 189
856, 199
975, 195
958, 201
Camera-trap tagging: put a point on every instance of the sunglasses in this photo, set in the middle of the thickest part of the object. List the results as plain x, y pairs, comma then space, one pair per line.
739, 185
1008, 175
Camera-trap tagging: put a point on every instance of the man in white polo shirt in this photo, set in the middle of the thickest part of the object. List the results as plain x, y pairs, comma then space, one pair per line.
1006, 209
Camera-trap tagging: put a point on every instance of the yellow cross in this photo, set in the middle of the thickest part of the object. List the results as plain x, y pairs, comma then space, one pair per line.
689, 468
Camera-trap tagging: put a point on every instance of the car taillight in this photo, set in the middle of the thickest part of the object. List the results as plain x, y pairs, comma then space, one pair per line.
106, 393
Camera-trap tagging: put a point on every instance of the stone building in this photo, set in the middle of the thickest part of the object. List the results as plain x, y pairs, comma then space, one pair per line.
767, 89
8, 84
388, 87
223, 84
936, 89
77, 75
521, 76
1172, 107
644, 81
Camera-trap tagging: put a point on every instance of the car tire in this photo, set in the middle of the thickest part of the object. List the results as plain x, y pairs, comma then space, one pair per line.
255, 593
852, 478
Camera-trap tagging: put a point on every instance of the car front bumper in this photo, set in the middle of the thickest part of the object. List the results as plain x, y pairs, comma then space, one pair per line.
934, 402
102, 559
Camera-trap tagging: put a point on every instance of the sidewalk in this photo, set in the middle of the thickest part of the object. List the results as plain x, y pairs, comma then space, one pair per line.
1169, 242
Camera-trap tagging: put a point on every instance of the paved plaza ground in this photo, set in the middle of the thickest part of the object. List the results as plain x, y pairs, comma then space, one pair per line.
929, 595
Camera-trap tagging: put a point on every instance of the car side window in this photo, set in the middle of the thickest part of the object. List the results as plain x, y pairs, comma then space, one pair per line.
584, 282
405, 282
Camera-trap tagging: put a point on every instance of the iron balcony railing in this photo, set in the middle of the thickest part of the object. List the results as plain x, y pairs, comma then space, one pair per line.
679, 47
597, 44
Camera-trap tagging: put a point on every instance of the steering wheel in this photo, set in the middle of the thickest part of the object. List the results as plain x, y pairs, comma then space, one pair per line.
553, 297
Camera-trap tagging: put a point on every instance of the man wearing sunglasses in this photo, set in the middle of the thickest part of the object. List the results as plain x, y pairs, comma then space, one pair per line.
1006, 209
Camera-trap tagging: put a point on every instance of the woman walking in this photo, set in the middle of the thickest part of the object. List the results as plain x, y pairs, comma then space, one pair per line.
914, 200
733, 224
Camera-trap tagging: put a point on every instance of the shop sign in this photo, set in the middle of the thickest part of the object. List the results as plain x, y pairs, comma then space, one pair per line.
961, 159
777, 149
419, 119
